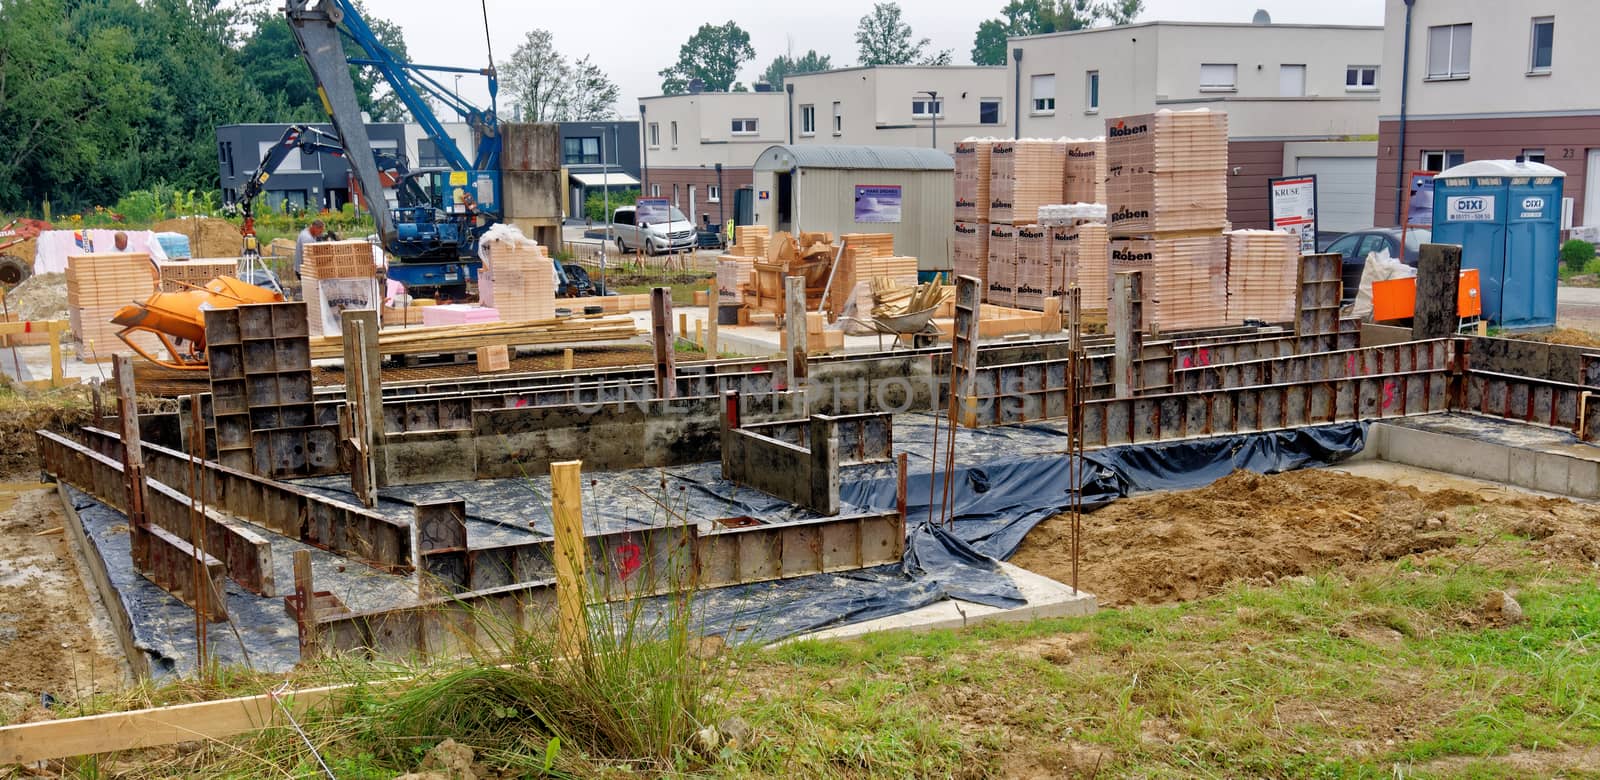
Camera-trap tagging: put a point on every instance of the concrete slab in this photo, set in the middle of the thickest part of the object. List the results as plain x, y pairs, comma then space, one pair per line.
1533, 457
1046, 599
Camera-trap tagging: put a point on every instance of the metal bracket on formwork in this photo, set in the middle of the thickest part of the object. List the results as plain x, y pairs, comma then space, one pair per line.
664, 341
1127, 323
363, 373
964, 353
794, 326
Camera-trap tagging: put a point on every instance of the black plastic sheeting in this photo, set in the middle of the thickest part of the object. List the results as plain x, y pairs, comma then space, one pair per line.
994, 505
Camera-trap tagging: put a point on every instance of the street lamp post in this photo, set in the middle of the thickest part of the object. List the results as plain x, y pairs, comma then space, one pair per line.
933, 111
458, 86
605, 188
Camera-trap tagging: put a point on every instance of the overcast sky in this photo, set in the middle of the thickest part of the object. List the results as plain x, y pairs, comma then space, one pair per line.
633, 39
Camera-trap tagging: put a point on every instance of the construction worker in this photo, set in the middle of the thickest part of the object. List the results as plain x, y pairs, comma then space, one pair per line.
121, 240
311, 234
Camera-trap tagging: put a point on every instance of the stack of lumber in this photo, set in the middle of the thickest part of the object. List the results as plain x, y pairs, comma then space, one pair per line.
893, 299
733, 276
1033, 267
1263, 268
1001, 289
97, 286
750, 241
459, 314
468, 338
1094, 266
404, 316
881, 243
337, 275
1185, 278
1024, 175
1085, 171
866, 268
180, 275
1167, 171
969, 252
518, 279
972, 179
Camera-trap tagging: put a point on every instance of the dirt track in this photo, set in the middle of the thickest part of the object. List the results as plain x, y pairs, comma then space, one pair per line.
1248, 527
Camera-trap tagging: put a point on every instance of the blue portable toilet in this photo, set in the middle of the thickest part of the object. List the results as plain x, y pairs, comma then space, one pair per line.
1506, 216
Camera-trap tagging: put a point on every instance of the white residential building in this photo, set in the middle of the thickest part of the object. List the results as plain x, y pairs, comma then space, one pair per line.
896, 105
1300, 99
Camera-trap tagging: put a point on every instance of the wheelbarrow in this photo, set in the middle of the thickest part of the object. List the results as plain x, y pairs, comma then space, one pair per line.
917, 327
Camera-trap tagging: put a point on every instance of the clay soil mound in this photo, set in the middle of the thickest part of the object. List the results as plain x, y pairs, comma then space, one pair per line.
1185, 545
208, 236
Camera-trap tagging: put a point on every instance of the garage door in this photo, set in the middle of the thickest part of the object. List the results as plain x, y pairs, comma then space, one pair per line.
1345, 191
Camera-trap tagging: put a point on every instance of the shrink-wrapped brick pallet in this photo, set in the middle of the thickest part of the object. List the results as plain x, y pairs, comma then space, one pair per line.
1167, 172
1002, 278
970, 252
1085, 171
335, 276
1093, 274
733, 275
1263, 273
750, 241
180, 275
1024, 175
1185, 278
972, 179
1033, 267
98, 285
1063, 261
518, 279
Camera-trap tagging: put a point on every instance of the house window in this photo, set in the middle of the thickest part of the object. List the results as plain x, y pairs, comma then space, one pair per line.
428, 154
713, 193
744, 127
989, 111
1044, 93
1533, 155
674, 135
1449, 51
655, 135
1291, 81
838, 119
926, 108
808, 120
1441, 160
655, 190
1219, 77
293, 162
580, 151
675, 200
1361, 78
1091, 91
1543, 47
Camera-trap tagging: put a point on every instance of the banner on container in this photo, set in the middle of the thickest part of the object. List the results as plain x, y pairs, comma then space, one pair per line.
652, 211
1419, 209
1294, 209
877, 203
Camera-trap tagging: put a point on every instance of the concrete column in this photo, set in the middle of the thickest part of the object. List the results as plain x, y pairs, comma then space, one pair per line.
794, 324
824, 471
664, 341
1438, 279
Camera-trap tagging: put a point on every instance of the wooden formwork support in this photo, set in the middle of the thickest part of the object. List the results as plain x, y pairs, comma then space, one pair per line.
964, 351
363, 373
664, 342
571, 558
1127, 326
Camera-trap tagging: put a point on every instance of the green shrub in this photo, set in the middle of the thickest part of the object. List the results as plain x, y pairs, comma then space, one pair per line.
1575, 254
594, 206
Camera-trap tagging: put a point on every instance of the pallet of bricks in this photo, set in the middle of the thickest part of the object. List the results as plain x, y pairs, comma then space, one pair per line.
736, 268
518, 279
970, 248
1085, 171
180, 275
1077, 252
867, 257
98, 285
337, 275
1263, 274
1167, 204
1024, 176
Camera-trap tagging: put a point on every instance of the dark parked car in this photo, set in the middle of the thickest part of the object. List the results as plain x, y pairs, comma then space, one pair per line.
1355, 247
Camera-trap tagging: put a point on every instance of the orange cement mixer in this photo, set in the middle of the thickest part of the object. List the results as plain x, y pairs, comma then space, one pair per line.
178, 319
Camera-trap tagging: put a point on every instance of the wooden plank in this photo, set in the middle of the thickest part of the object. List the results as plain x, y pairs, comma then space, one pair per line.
566, 491
53, 739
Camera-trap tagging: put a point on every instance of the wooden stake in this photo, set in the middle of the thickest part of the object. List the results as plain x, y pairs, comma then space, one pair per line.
663, 340
566, 359
566, 491
132, 459
305, 592
713, 313
699, 334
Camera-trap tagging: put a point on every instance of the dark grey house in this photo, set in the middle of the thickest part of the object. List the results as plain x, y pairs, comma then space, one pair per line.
584, 145
303, 181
